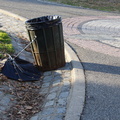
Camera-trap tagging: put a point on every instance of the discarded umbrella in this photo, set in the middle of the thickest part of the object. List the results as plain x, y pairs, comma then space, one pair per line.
19, 69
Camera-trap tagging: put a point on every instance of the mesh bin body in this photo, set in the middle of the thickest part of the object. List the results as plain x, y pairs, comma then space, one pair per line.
48, 48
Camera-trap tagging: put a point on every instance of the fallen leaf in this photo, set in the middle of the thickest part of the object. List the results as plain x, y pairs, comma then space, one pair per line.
28, 107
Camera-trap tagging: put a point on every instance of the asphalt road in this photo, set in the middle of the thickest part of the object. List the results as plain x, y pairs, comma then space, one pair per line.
37, 8
102, 74
102, 71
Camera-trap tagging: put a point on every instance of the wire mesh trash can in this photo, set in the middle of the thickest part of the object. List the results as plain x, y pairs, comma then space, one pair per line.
48, 48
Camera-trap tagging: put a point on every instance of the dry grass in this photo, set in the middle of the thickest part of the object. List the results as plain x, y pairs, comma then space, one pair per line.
105, 5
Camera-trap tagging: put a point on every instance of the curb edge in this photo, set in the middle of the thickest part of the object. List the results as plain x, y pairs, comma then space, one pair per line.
77, 93
13, 15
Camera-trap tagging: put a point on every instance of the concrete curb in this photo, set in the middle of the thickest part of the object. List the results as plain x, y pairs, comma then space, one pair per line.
77, 93
13, 15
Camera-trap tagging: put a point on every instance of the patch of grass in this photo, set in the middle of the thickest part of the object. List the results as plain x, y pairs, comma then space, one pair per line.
105, 5
5, 44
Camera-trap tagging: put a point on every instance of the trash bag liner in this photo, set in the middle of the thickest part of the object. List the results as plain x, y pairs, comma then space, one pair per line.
42, 22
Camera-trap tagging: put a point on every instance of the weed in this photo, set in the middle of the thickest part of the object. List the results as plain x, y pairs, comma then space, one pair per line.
5, 44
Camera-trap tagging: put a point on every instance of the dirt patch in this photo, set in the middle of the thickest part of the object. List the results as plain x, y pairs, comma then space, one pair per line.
27, 98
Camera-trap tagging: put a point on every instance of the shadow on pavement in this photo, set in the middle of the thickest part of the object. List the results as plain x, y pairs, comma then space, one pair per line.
102, 68
99, 67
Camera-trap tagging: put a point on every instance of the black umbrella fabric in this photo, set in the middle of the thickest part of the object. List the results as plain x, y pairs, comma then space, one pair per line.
21, 70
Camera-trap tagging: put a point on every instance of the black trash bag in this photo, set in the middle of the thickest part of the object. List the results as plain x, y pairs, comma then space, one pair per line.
21, 70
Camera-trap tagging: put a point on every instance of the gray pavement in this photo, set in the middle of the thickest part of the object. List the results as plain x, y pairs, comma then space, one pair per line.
105, 31
99, 51
103, 38
35, 8
94, 36
57, 86
102, 74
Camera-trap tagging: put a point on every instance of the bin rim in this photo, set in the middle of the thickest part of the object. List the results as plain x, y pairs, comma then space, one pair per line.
51, 19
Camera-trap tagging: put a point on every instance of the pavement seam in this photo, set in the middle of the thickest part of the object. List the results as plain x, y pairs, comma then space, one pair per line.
77, 93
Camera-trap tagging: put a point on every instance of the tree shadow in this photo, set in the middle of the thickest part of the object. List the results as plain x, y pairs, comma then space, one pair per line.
96, 67
101, 68
102, 99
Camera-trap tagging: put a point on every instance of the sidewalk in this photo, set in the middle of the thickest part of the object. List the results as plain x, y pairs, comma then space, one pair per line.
97, 43
97, 33
64, 89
